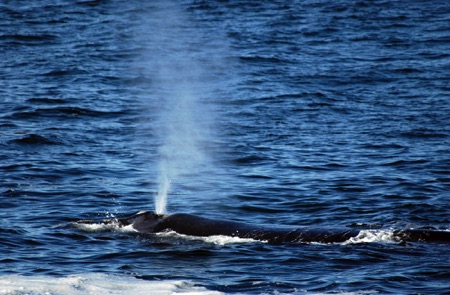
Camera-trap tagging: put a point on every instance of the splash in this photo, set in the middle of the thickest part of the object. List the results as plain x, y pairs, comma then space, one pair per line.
216, 239
102, 227
95, 283
372, 236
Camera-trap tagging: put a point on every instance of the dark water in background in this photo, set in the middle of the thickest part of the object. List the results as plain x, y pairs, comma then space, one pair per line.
333, 113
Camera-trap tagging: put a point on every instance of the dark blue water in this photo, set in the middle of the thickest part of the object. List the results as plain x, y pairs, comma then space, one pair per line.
327, 113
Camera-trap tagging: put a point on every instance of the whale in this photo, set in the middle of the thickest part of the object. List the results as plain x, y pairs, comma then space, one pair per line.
147, 222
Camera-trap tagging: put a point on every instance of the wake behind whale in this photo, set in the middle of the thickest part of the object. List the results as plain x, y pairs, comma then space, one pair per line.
191, 225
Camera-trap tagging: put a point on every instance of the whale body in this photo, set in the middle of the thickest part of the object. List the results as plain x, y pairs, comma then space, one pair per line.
192, 225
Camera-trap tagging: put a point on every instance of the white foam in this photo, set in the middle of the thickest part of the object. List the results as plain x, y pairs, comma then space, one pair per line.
103, 227
98, 284
217, 240
104, 284
370, 292
372, 236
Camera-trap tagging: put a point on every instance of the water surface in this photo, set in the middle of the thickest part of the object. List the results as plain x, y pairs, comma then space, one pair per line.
289, 112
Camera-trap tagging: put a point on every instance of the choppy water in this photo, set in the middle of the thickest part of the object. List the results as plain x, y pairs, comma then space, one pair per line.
331, 113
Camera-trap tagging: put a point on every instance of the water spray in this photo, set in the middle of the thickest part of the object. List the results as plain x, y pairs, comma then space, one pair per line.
181, 80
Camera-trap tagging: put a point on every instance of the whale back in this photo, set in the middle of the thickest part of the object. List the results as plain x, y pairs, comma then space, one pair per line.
192, 225
188, 224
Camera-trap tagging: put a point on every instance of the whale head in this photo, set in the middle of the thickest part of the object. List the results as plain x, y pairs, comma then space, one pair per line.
143, 221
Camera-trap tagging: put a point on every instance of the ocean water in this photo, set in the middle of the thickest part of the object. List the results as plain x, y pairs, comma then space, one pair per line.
290, 113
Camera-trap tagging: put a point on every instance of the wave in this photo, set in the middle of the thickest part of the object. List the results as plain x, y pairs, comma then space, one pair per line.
65, 112
95, 283
29, 37
34, 139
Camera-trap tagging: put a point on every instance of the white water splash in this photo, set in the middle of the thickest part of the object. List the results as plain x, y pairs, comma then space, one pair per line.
95, 284
114, 227
103, 227
372, 236
216, 239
